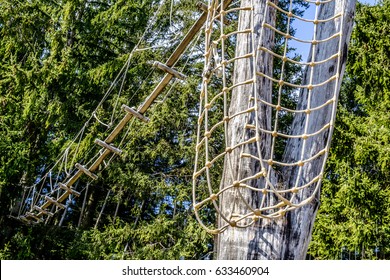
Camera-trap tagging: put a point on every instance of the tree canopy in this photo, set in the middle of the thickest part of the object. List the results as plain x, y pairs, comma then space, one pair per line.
58, 58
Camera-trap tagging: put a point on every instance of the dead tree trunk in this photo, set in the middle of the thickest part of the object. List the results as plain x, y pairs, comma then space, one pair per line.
287, 237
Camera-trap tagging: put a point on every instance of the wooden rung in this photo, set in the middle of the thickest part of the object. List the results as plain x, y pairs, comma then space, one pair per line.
250, 126
55, 202
204, 8
169, 70
39, 209
31, 215
69, 190
86, 171
108, 146
24, 219
135, 113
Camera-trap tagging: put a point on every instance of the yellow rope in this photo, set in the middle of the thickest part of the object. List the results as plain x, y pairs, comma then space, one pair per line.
217, 88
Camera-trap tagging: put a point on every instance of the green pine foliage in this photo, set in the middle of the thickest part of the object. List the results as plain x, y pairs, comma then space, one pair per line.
353, 220
59, 57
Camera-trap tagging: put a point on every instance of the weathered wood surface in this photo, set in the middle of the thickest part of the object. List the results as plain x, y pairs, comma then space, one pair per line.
234, 243
287, 237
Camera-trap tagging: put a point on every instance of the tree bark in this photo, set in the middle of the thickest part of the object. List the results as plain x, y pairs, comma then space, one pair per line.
287, 237
234, 242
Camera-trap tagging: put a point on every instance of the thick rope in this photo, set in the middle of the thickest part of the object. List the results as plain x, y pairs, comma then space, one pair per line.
217, 88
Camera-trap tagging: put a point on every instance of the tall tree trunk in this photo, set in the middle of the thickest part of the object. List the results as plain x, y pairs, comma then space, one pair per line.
287, 237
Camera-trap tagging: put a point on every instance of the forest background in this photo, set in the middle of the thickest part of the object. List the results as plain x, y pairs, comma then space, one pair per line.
59, 57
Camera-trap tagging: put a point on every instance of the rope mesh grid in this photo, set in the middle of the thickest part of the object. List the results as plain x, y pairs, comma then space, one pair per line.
217, 144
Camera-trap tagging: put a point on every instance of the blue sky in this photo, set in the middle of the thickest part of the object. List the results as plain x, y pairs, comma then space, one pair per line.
305, 30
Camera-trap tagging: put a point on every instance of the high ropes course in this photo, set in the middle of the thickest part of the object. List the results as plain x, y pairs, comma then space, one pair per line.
240, 88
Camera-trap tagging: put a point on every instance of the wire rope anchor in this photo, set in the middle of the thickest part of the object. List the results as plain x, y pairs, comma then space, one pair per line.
108, 146
42, 211
55, 202
86, 171
69, 190
169, 70
135, 113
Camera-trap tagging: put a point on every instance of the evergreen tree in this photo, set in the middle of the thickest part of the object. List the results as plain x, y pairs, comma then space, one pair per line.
58, 58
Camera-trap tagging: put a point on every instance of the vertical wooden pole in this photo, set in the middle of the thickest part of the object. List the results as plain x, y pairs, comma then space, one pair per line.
287, 237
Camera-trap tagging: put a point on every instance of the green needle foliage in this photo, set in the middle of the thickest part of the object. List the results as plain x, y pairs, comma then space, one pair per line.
58, 58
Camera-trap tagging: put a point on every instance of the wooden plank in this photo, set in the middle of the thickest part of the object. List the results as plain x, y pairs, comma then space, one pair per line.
69, 190
55, 202
169, 70
86, 171
135, 113
24, 219
69, 183
42, 211
108, 146
31, 215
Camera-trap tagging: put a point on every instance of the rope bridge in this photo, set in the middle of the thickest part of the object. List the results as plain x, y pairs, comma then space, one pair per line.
242, 106
56, 189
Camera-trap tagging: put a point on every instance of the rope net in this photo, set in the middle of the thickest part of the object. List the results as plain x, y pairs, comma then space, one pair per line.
245, 102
